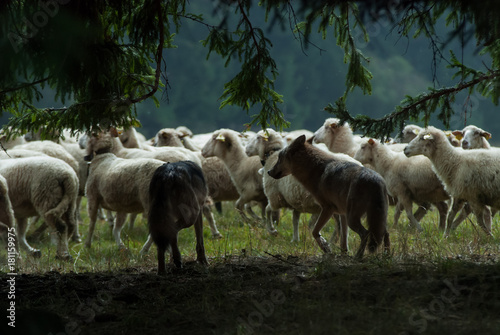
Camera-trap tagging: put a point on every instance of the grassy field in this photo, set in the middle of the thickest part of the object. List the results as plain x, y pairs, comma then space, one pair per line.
262, 284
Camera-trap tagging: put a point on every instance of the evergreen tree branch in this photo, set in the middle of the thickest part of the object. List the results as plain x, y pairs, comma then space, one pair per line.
411, 109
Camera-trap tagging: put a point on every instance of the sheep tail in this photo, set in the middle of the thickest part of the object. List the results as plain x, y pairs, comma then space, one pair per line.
70, 191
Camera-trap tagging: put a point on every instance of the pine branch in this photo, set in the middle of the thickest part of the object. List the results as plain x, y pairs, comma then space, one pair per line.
424, 104
158, 56
25, 85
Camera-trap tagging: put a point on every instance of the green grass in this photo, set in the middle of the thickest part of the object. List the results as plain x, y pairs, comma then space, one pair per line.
468, 242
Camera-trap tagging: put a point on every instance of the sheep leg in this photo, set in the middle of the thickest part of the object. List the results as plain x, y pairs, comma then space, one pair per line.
131, 220
109, 218
464, 213
295, 221
250, 211
240, 206
22, 227
121, 217
147, 245
421, 211
200, 247
79, 219
407, 204
218, 207
73, 230
37, 234
456, 205
92, 209
483, 215
269, 221
397, 213
211, 221
62, 237
323, 218
442, 208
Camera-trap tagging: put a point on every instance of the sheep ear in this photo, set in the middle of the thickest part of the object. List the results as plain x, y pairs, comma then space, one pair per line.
458, 134
415, 131
220, 138
427, 136
371, 141
486, 135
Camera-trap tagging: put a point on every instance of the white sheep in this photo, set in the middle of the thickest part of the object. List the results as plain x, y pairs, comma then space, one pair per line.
116, 184
6, 212
244, 171
293, 134
220, 185
11, 142
169, 137
166, 154
411, 131
467, 175
473, 137
409, 180
130, 138
51, 149
338, 137
47, 187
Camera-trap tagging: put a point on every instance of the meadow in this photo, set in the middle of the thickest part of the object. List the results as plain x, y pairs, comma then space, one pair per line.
262, 284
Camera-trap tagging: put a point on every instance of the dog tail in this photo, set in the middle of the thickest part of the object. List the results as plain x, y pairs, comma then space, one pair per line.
377, 222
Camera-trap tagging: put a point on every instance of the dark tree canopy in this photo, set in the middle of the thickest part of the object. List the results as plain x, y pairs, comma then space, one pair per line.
105, 56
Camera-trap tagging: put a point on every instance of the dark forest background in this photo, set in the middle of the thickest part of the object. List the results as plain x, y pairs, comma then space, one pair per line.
310, 77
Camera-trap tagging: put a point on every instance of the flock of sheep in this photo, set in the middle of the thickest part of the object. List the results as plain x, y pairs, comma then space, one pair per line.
114, 170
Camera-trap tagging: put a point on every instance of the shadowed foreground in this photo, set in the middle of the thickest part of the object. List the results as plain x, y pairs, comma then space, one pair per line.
266, 295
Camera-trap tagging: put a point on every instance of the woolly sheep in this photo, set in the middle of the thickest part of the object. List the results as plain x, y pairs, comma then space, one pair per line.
411, 131
244, 171
408, 179
338, 138
130, 138
220, 185
166, 154
467, 175
168, 137
51, 149
264, 143
292, 135
43, 186
11, 142
116, 184
473, 137
6, 212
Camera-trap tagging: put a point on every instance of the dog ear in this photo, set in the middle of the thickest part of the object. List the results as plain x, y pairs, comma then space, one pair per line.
299, 141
